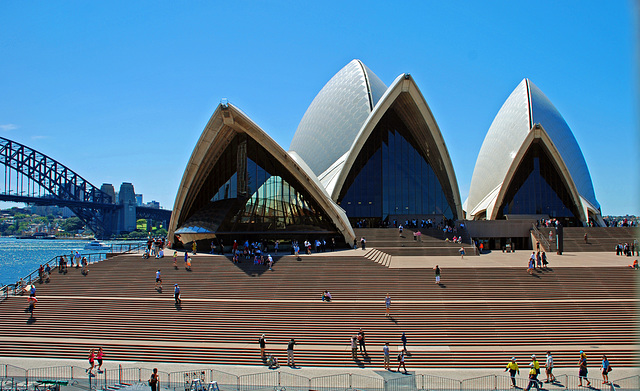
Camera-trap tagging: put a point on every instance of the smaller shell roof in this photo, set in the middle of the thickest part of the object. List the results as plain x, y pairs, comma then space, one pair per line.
526, 106
334, 118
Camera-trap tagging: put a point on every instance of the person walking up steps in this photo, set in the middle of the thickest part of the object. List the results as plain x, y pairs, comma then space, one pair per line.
158, 281
176, 294
354, 347
401, 361
385, 351
263, 344
437, 269
361, 342
387, 303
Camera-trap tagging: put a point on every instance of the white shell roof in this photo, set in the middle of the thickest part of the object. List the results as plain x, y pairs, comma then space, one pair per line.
334, 118
526, 106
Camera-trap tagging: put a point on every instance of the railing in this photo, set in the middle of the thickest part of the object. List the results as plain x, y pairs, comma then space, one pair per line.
127, 376
14, 378
15, 289
540, 237
626, 383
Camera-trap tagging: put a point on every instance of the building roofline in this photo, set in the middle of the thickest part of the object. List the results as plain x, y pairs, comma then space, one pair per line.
226, 121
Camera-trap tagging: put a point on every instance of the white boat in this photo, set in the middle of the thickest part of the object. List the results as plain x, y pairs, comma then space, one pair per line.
96, 245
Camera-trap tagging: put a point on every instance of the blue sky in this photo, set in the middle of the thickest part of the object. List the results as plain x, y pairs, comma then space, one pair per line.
120, 91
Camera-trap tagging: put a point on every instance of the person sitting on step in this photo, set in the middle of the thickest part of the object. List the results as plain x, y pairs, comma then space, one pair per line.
272, 362
326, 296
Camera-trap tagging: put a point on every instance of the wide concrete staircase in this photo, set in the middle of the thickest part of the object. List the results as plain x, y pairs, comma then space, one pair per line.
599, 239
432, 242
474, 318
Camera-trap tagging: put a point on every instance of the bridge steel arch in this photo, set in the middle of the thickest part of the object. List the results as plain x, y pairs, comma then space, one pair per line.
93, 206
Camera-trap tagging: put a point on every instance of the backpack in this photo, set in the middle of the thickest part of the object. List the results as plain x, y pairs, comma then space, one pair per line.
400, 357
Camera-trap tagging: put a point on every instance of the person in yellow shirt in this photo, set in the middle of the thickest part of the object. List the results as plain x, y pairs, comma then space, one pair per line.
512, 367
536, 365
533, 378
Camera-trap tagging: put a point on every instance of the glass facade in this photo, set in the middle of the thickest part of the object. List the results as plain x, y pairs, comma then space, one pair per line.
537, 188
249, 191
391, 177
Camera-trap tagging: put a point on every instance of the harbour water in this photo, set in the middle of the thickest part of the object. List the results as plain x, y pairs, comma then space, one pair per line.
19, 257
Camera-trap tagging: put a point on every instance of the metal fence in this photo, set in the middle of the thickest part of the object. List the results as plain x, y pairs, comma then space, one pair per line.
627, 383
437, 383
13, 378
12, 384
8, 370
51, 373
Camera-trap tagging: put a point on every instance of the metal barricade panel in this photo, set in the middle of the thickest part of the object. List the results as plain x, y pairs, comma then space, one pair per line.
258, 381
437, 383
403, 383
366, 383
330, 382
226, 381
9, 370
487, 382
627, 383
293, 382
573, 384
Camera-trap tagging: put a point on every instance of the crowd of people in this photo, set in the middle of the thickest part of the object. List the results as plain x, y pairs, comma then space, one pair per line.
624, 222
155, 248
537, 261
628, 249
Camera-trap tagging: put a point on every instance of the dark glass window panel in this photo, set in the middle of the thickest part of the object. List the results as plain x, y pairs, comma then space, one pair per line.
537, 188
272, 199
392, 177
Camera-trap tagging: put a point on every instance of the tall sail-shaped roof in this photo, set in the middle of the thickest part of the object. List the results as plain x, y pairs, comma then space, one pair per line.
525, 107
334, 118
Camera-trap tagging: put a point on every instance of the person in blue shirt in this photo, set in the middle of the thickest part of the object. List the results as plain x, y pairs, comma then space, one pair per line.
176, 293
606, 368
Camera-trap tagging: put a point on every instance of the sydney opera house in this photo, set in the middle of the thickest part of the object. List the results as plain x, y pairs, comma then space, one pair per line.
367, 153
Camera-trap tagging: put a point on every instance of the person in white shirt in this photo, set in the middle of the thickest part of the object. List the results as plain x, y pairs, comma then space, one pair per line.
549, 368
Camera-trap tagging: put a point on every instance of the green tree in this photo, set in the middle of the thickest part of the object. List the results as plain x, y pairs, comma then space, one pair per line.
141, 224
161, 232
72, 224
137, 235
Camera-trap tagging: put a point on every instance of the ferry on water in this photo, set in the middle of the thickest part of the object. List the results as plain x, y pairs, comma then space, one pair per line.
96, 245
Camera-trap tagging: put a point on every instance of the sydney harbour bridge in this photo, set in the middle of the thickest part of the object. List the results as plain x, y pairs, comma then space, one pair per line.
34, 178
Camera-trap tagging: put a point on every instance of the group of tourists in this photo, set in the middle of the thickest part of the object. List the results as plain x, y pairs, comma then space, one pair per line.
611, 222
270, 359
534, 371
547, 223
155, 248
537, 261
80, 261
628, 249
